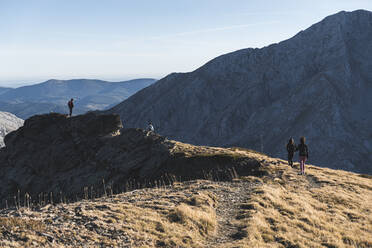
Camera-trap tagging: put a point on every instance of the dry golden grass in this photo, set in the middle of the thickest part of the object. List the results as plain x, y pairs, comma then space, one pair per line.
9, 223
181, 216
168, 220
21, 229
325, 208
203, 151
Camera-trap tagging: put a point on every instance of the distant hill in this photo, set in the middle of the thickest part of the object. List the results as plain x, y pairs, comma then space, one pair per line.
317, 84
8, 123
4, 89
52, 95
26, 109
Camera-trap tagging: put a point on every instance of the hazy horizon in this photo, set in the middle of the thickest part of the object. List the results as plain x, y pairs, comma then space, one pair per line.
20, 83
122, 40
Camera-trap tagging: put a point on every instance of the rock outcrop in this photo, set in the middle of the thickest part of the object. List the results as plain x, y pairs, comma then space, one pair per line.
53, 153
317, 84
8, 123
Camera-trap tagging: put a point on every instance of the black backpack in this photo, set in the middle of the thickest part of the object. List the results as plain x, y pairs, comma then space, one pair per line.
291, 148
303, 150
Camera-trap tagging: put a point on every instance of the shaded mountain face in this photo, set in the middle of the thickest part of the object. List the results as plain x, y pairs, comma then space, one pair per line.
317, 84
54, 153
52, 96
8, 123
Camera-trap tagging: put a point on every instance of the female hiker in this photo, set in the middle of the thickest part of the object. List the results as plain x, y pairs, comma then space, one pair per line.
303, 151
291, 148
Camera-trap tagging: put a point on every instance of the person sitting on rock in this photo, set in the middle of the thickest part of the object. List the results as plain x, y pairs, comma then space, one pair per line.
70, 105
303, 151
150, 127
291, 148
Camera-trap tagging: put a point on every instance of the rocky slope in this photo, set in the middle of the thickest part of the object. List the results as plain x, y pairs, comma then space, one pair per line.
52, 95
59, 155
317, 84
8, 123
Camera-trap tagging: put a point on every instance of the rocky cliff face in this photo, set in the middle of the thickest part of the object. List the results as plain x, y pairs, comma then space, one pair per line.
8, 123
53, 153
317, 84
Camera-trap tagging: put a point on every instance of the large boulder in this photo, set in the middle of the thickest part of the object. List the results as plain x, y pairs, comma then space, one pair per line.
54, 153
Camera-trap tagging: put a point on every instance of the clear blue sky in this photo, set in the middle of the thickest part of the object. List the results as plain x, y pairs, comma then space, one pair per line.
122, 39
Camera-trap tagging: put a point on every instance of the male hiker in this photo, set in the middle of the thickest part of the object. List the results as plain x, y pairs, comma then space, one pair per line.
71, 105
291, 148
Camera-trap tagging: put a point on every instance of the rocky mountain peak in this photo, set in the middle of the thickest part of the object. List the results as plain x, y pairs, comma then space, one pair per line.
316, 84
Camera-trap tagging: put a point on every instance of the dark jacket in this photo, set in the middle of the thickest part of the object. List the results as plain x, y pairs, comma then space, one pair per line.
70, 104
303, 150
291, 148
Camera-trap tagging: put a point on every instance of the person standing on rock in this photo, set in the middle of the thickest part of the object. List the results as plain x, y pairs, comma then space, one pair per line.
303, 151
291, 148
70, 105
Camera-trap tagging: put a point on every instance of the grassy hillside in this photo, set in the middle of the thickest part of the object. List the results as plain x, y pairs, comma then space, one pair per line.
278, 208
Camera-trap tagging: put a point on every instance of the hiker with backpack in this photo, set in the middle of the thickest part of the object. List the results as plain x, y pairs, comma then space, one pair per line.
303, 152
291, 148
70, 105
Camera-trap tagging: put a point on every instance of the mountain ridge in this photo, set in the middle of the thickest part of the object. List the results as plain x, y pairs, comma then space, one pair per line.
314, 84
